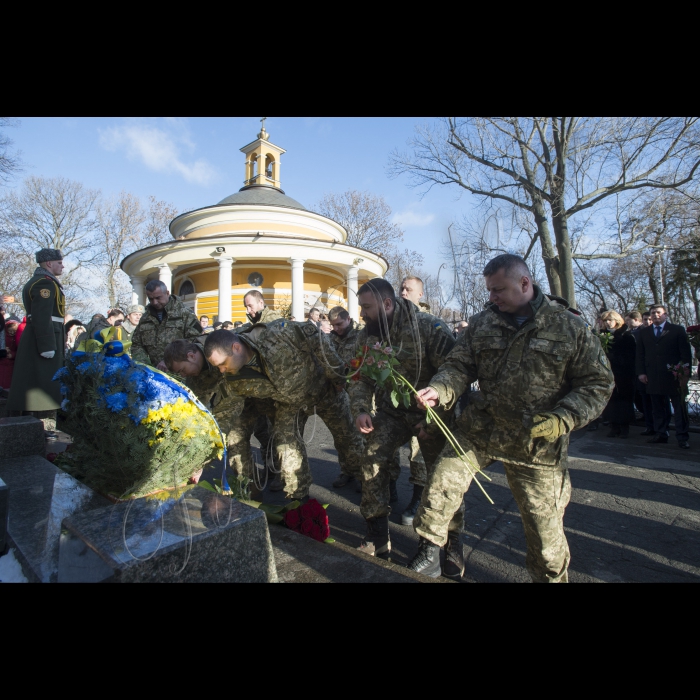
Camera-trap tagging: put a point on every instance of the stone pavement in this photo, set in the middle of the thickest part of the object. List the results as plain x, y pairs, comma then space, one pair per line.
634, 513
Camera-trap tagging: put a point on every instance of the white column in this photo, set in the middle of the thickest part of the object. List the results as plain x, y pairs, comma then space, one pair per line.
225, 265
137, 294
353, 306
298, 288
165, 275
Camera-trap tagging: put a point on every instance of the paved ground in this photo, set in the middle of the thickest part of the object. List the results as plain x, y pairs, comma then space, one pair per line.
634, 513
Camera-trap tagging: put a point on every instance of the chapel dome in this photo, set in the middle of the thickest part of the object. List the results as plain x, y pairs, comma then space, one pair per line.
263, 195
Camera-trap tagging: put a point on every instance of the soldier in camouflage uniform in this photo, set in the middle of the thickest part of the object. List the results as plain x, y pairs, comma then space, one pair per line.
166, 319
541, 375
420, 342
294, 365
236, 416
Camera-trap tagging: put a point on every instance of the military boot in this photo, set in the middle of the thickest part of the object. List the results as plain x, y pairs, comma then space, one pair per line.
376, 542
343, 480
412, 508
454, 556
393, 493
427, 559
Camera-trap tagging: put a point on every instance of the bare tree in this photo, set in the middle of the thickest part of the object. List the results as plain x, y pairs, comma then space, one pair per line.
157, 219
402, 263
553, 168
51, 213
365, 216
120, 230
10, 162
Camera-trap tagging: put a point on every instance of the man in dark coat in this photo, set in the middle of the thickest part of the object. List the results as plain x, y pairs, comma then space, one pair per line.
660, 345
41, 351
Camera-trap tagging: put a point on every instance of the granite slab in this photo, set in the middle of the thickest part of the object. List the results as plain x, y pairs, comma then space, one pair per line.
300, 559
21, 436
202, 537
40, 497
4, 511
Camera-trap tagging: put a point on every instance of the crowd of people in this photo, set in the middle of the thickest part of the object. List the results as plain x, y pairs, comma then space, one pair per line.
540, 370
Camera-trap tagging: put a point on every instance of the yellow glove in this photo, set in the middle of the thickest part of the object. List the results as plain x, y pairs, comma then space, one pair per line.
548, 426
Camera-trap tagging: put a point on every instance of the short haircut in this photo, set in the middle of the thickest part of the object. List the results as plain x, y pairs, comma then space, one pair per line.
226, 325
201, 317
416, 279
380, 288
657, 306
237, 324
177, 352
634, 315
314, 310
511, 264
619, 321
338, 312
115, 312
217, 324
156, 285
255, 294
220, 341
96, 316
647, 314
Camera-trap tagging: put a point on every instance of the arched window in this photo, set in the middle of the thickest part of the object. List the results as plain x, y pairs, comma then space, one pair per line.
186, 288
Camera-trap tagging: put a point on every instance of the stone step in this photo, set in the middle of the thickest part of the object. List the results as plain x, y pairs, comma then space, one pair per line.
301, 559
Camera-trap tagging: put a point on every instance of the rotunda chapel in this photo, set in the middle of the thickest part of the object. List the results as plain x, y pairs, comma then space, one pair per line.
258, 238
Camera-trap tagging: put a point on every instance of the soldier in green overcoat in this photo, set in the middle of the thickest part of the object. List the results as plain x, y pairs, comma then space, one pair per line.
41, 351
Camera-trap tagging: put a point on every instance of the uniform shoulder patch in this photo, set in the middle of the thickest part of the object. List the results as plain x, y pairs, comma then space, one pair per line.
45, 293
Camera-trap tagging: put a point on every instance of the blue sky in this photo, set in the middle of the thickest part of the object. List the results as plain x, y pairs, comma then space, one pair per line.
195, 162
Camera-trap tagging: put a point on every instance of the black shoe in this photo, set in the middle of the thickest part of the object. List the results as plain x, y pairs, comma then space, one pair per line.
606, 422
412, 508
393, 493
342, 480
454, 556
427, 559
376, 542
613, 433
648, 432
659, 438
592, 427
358, 487
684, 444
624, 431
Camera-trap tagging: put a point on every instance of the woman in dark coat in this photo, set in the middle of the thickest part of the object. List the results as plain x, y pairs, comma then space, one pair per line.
621, 353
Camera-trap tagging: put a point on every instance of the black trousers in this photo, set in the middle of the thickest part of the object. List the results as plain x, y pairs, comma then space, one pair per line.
662, 415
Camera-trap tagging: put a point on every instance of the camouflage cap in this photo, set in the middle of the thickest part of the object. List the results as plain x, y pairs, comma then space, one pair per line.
48, 255
136, 309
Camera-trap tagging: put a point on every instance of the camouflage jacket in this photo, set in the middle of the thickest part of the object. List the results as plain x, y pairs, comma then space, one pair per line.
421, 343
151, 337
550, 364
266, 315
209, 385
298, 364
346, 345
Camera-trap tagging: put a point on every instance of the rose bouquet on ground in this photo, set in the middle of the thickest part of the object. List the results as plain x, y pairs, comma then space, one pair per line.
310, 519
135, 430
378, 362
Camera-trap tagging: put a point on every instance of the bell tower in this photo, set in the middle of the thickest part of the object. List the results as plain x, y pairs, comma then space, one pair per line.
262, 164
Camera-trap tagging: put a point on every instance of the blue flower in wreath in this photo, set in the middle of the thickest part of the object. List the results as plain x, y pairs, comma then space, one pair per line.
117, 402
62, 374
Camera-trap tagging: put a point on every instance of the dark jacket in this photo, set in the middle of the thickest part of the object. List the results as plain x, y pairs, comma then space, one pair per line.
655, 354
622, 354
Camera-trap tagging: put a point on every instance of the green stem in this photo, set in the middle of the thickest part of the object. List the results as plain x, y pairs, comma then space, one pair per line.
459, 450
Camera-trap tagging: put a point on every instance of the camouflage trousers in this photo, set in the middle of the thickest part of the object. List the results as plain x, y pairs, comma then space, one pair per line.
239, 427
419, 475
542, 494
390, 432
288, 438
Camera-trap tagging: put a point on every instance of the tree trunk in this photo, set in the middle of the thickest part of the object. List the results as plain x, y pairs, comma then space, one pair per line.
566, 265
551, 261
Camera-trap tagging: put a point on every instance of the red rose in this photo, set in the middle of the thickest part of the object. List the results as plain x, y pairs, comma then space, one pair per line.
51, 456
325, 532
292, 519
307, 526
355, 363
307, 510
316, 533
365, 349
